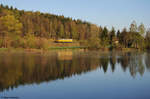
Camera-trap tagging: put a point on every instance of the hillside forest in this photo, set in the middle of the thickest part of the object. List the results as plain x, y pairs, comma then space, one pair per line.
28, 29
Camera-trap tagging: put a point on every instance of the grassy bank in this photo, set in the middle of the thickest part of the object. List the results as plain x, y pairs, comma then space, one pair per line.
64, 48
3, 49
70, 47
39, 50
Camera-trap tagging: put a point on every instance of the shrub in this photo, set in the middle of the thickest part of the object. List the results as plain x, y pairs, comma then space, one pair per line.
42, 43
29, 41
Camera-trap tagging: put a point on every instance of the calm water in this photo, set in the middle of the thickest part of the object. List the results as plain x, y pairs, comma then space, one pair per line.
75, 75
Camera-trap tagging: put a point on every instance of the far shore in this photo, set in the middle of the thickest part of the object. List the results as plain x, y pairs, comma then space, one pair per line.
66, 48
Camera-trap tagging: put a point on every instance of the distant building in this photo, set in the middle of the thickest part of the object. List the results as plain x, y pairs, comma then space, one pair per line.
115, 40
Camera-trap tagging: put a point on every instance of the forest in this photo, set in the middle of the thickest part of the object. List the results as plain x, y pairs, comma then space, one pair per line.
28, 29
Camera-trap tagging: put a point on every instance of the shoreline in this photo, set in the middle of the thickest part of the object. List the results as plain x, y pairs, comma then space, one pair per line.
66, 48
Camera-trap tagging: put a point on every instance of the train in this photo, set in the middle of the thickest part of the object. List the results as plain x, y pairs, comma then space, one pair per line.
64, 41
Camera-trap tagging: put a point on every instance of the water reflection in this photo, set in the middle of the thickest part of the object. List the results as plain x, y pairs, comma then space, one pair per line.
28, 68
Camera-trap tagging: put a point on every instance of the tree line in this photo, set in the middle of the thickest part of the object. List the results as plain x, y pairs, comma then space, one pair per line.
28, 29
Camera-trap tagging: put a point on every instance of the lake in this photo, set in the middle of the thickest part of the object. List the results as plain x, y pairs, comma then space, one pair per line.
75, 75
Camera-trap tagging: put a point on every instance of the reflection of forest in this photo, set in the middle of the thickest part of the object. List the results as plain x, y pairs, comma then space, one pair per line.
26, 68
65, 55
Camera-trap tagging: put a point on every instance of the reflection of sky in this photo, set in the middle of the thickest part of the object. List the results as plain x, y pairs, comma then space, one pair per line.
118, 13
93, 85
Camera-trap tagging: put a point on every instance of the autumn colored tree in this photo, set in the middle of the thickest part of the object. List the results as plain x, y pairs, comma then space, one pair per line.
61, 31
10, 28
141, 29
133, 27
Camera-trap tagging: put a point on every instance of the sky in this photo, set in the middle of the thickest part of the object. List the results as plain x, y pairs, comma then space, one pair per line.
117, 13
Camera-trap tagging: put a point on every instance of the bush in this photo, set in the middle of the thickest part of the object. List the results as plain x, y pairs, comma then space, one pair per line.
29, 41
42, 43
84, 43
94, 43
17, 42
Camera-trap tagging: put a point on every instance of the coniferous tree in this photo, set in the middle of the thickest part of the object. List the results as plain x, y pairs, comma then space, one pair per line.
112, 35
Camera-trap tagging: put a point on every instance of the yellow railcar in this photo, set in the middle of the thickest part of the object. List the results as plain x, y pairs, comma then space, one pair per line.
64, 41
